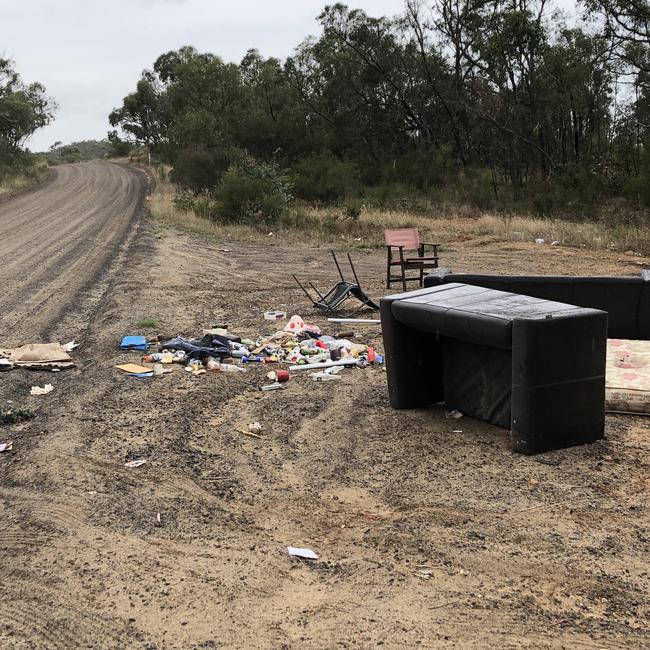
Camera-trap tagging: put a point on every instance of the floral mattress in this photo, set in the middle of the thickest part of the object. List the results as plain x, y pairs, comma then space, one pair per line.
627, 384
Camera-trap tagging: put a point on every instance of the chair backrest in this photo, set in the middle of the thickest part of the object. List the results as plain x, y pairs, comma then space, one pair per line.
408, 238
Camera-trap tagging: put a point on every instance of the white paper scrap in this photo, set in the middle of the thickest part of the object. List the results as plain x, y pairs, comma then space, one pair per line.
305, 553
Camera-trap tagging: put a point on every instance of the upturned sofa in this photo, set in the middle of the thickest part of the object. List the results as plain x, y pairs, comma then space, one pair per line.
532, 365
625, 299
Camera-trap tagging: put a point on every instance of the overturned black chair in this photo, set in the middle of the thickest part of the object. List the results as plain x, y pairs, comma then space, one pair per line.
331, 300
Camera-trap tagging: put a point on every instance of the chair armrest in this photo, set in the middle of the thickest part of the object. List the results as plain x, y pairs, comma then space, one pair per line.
415, 259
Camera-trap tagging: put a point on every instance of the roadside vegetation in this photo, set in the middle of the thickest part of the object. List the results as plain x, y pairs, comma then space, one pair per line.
334, 225
500, 116
24, 108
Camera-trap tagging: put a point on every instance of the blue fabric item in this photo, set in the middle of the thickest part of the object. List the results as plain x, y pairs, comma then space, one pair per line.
134, 343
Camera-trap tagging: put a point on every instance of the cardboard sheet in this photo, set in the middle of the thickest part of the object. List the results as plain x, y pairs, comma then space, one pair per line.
134, 368
39, 355
627, 386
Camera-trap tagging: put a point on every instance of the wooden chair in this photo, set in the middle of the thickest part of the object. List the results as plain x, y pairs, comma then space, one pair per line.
399, 240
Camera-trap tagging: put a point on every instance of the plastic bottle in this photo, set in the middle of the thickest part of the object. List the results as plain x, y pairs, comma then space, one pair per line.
274, 386
213, 364
323, 376
228, 367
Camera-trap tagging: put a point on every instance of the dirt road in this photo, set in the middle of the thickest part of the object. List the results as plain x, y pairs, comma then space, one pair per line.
430, 532
58, 243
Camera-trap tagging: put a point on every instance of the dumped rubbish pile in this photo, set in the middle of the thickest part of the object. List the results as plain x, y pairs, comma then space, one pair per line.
298, 344
38, 356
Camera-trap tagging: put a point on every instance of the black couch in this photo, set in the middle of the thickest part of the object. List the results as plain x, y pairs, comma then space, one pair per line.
625, 299
533, 366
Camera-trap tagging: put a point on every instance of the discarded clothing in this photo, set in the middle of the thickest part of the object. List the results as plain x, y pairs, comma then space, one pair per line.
208, 346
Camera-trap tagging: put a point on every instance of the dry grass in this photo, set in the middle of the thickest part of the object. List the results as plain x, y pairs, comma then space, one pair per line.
24, 180
331, 226
13, 184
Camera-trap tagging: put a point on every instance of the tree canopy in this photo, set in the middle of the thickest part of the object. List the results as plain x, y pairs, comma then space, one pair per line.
24, 108
489, 101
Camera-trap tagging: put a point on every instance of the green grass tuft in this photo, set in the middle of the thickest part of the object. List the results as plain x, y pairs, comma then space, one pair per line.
148, 322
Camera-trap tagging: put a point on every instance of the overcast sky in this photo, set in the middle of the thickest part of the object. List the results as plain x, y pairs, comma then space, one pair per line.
90, 53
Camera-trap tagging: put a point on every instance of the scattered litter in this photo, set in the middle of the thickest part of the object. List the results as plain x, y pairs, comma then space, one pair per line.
134, 370
135, 463
5, 364
453, 415
533, 482
69, 347
325, 364
424, 572
216, 331
217, 366
275, 386
358, 321
158, 520
251, 434
324, 376
555, 243
39, 356
539, 241
457, 431
160, 357
297, 325
305, 553
134, 343
6, 446
275, 315
37, 390
300, 345
278, 375
255, 426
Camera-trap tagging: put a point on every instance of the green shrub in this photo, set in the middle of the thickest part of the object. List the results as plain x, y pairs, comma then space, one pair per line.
324, 178
253, 192
198, 169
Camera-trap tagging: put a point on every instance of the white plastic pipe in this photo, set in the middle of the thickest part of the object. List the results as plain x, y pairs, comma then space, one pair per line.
358, 321
324, 364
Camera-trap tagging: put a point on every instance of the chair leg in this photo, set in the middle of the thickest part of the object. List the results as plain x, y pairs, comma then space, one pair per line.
404, 278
